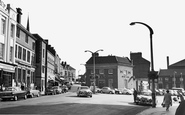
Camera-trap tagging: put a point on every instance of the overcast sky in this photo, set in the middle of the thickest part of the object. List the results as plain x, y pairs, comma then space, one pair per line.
73, 26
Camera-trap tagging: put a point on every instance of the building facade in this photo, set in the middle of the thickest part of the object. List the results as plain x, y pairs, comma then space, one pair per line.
140, 70
67, 72
40, 72
173, 76
24, 54
111, 71
7, 44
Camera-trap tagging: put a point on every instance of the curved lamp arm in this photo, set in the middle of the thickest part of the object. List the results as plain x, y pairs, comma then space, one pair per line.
151, 30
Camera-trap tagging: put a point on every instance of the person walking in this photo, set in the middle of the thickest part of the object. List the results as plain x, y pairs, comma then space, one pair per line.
135, 95
167, 100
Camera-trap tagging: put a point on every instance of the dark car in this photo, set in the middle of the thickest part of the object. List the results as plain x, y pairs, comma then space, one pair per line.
68, 85
50, 91
64, 89
13, 93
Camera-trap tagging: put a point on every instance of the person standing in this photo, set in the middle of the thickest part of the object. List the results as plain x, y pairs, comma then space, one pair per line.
135, 95
167, 100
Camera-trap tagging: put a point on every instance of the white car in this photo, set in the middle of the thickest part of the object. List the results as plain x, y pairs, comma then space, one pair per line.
84, 91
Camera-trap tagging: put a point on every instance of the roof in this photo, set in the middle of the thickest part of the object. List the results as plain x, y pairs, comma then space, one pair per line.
109, 60
180, 63
170, 72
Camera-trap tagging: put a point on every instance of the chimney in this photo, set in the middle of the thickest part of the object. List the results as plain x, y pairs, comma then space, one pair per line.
19, 13
167, 62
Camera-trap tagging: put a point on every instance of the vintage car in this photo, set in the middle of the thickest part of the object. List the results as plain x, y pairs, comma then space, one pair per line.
64, 88
97, 90
13, 93
145, 98
84, 91
58, 89
33, 93
50, 91
107, 90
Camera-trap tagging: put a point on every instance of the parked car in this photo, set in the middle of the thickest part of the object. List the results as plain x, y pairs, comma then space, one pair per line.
50, 91
33, 92
68, 85
127, 91
57, 89
145, 98
97, 90
118, 91
107, 90
13, 93
84, 91
64, 88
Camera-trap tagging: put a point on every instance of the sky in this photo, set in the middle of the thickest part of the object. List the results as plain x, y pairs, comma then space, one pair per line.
73, 26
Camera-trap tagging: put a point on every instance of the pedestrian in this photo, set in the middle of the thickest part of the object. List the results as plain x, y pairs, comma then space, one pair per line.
180, 96
167, 100
135, 95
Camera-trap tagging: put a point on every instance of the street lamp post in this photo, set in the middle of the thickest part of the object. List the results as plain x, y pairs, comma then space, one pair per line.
94, 77
174, 79
152, 73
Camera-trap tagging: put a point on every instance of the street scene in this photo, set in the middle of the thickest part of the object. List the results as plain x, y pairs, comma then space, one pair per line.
69, 104
99, 57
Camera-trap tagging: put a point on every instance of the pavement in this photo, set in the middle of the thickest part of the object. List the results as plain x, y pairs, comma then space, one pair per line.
159, 110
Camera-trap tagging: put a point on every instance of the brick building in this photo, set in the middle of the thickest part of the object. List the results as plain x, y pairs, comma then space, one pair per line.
173, 76
111, 71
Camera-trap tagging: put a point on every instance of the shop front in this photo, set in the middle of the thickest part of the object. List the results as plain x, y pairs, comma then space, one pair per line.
7, 75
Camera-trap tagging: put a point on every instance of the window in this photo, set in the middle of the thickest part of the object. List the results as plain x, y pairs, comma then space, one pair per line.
1, 50
26, 39
43, 53
33, 45
11, 53
24, 54
16, 51
12, 30
166, 78
19, 52
92, 71
110, 71
101, 71
18, 32
28, 56
28, 72
43, 68
3, 26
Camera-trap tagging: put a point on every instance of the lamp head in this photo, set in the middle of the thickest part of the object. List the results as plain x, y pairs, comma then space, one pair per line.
132, 23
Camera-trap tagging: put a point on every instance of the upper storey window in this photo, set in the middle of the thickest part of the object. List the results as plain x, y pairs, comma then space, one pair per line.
3, 26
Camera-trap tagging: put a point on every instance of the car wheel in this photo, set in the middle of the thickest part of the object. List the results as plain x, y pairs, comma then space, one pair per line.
91, 96
38, 94
110, 92
31, 95
25, 96
15, 98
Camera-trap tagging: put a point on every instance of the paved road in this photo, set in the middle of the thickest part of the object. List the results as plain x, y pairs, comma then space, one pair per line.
70, 104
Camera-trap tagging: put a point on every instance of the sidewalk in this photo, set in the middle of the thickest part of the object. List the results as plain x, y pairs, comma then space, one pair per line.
159, 110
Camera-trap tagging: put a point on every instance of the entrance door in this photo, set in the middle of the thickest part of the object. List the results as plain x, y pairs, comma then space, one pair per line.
111, 83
